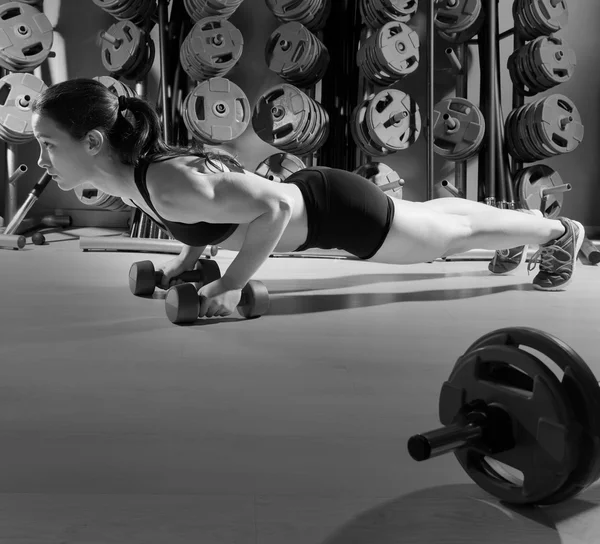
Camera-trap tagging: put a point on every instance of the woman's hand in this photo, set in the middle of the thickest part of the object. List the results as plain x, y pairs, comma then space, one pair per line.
173, 268
217, 299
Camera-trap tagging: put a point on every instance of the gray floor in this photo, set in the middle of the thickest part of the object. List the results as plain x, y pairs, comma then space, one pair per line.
117, 426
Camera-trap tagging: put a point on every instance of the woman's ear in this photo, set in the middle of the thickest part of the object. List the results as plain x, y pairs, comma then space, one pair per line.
94, 142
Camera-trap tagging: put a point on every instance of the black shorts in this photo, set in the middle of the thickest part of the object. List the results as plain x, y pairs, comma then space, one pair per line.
345, 211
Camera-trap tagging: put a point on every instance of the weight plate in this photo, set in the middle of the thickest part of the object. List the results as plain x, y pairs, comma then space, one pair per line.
519, 383
560, 123
529, 185
27, 37
118, 88
580, 385
199, 9
453, 16
383, 176
17, 92
279, 167
217, 111
211, 49
393, 119
458, 129
375, 13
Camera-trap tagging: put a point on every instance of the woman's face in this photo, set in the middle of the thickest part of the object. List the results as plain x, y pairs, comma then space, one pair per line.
68, 161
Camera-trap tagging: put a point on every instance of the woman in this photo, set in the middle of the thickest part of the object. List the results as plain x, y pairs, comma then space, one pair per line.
87, 134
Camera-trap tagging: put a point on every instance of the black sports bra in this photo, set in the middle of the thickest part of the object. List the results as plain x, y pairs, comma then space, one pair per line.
191, 234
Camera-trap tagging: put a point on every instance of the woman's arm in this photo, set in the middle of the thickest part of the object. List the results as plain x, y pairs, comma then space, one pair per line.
228, 197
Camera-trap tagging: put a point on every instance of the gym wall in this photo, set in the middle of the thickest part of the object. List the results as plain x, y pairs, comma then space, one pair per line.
77, 23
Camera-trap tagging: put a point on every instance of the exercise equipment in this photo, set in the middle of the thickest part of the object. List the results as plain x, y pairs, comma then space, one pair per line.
541, 64
216, 111
279, 166
544, 128
376, 13
534, 18
211, 49
313, 14
144, 279
38, 239
89, 195
17, 92
12, 241
390, 54
138, 12
458, 129
386, 178
457, 21
522, 399
296, 55
27, 37
182, 303
127, 50
540, 187
288, 119
589, 251
385, 123
200, 9
118, 88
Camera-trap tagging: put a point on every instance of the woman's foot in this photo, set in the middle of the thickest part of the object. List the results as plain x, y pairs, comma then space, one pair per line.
557, 258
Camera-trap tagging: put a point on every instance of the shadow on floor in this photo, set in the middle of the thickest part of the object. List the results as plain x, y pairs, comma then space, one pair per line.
465, 513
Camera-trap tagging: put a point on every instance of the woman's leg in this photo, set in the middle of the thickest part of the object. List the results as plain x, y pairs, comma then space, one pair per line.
424, 231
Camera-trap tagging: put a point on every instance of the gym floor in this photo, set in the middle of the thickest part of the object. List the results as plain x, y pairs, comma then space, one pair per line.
118, 426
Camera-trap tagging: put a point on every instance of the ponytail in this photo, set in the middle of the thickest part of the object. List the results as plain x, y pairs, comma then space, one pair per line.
131, 124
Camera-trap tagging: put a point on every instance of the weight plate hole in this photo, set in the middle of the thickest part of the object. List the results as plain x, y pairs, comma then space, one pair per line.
4, 92
506, 375
33, 50
546, 360
502, 471
11, 14
565, 106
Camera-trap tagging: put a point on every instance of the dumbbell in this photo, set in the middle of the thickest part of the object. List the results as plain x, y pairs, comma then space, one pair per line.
182, 303
521, 412
143, 278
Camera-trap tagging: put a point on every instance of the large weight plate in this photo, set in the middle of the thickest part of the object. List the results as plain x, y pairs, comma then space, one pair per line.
118, 88
26, 37
463, 140
543, 420
218, 111
393, 119
455, 16
580, 385
549, 116
121, 56
199, 9
17, 92
529, 185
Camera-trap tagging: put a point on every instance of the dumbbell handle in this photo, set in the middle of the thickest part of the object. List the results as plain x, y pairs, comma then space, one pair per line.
441, 441
189, 276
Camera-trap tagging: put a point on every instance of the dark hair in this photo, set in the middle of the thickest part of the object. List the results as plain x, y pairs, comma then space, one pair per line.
80, 105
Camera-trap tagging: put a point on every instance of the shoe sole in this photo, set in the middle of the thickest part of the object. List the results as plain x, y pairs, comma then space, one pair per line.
516, 268
578, 244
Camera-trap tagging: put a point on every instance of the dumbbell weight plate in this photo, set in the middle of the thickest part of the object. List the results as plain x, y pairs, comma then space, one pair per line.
529, 184
579, 384
255, 300
383, 176
522, 385
534, 130
556, 61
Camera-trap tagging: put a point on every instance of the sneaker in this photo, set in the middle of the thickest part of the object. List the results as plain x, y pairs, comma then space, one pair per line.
557, 258
507, 260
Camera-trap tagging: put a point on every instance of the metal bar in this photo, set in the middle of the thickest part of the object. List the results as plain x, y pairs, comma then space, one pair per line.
163, 13
430, 97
